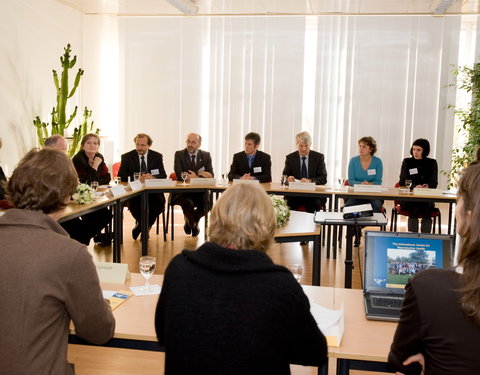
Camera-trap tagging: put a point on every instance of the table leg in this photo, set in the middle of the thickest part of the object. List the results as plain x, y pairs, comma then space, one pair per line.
348, 256
117, 230
316, 261
144, 222
324, 369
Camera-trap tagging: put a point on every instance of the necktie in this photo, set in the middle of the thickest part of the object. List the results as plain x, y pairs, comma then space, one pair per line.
303, 172
192, 165
143, 166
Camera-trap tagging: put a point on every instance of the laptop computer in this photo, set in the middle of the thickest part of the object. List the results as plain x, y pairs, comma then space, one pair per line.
391, 258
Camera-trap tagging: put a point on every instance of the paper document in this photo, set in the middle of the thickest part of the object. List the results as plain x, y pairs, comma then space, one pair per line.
330, 322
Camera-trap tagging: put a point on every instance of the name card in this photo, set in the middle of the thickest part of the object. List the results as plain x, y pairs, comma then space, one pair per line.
135, 185
427, 191
302, 186
117, 190
360, 188
112, 273
202, 181
240, 181
158, 182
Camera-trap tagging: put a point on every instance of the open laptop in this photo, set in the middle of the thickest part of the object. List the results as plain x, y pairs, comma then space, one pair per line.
391, 258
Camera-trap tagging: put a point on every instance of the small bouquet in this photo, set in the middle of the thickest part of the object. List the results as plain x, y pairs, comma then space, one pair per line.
282, 211
84, 194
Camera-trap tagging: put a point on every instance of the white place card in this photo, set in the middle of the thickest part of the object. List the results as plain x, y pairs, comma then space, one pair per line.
240, 181
202, 181
112, 273
158, 182
361, 188
330, 322
135, 185
117, 190
427, 191
311, 186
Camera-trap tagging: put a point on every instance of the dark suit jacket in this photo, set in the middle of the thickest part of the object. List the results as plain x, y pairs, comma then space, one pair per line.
240, 166
3, 180
317, 171
130, 163
182, 162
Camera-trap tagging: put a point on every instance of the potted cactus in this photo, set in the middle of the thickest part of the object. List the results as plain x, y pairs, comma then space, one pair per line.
59, 121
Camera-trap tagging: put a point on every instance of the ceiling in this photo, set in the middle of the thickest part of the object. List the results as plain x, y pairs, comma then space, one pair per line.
273, 7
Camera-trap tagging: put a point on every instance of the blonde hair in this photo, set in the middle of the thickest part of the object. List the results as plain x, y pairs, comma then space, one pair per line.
243, 218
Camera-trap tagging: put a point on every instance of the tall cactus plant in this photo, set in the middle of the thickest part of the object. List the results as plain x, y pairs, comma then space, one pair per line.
59, 121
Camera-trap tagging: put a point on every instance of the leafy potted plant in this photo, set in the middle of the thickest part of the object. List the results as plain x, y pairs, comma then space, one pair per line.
468, 79
59, 122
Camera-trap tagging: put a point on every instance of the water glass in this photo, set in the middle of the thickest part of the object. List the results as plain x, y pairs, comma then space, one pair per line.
408, 184
117, 180
184, 176
296, 270
147, 265
136, 176
94, 185
283, 180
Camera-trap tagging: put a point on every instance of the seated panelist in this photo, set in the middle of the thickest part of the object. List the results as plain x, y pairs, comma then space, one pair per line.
226, 308
365, 169
48, 280
423, 173
307, 166
251, 164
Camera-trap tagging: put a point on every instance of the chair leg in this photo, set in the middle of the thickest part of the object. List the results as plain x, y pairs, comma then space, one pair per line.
158, 223
164, 226
439, 222
171, 218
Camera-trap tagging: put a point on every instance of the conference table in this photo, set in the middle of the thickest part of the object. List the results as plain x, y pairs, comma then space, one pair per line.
364, 346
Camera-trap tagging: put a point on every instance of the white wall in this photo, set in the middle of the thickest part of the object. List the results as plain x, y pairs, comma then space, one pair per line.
32, 37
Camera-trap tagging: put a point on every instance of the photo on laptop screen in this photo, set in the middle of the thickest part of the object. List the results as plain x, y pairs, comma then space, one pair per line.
392, 258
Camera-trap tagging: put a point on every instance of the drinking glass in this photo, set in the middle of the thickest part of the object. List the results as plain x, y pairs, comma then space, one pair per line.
283, 180
184, 176
136, 176
147, 266
408, 184
94, 185
225, 178
117, 180
296, 270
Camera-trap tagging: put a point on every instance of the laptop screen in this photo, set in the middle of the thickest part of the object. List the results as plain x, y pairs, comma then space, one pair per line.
391, 258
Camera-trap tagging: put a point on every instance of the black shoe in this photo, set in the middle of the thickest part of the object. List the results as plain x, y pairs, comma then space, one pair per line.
136, 231
187, 228
195, 230
304, 243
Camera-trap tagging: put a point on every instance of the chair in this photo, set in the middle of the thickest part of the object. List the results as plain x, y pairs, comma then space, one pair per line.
398, 210
115, 169
170, 207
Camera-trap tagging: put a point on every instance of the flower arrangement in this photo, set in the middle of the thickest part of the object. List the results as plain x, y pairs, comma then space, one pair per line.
282, 211
84, 194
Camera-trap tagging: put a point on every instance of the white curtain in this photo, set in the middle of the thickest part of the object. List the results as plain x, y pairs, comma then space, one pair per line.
339, 77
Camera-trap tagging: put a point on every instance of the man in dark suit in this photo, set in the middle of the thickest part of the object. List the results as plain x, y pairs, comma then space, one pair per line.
150, 164
307, 166
197, 163
251, 164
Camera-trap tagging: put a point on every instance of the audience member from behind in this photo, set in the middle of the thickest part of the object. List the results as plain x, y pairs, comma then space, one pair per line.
251, 164
226, 308
440, 317
423, 172
47, 278
56, 141
365, 169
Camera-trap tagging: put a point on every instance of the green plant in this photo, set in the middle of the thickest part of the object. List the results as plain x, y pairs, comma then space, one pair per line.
468, 79
59, 121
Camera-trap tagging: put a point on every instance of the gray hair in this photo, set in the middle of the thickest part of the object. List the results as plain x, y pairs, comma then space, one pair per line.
304, 137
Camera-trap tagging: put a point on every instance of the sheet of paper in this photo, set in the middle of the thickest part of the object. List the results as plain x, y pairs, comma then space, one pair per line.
141, 291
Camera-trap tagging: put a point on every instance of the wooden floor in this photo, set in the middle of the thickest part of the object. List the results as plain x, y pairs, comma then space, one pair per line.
106, 361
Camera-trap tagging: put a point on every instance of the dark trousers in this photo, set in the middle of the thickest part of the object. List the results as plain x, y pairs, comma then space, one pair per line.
194, 206
306, 204
84, 228
156, 205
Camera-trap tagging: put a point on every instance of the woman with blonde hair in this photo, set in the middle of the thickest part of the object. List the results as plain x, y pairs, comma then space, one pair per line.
226, 308
440, 318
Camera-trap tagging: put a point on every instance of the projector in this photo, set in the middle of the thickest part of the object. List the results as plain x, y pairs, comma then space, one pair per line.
355, 212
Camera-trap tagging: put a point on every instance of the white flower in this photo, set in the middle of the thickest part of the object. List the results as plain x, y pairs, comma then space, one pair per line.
282, 211
84, 194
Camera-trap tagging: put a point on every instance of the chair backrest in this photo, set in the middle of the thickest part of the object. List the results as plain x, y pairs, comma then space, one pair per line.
115, 169
173, 176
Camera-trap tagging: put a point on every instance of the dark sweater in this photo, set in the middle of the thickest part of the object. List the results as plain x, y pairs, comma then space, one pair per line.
432, 322
224, 311
420, 171
86, 174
